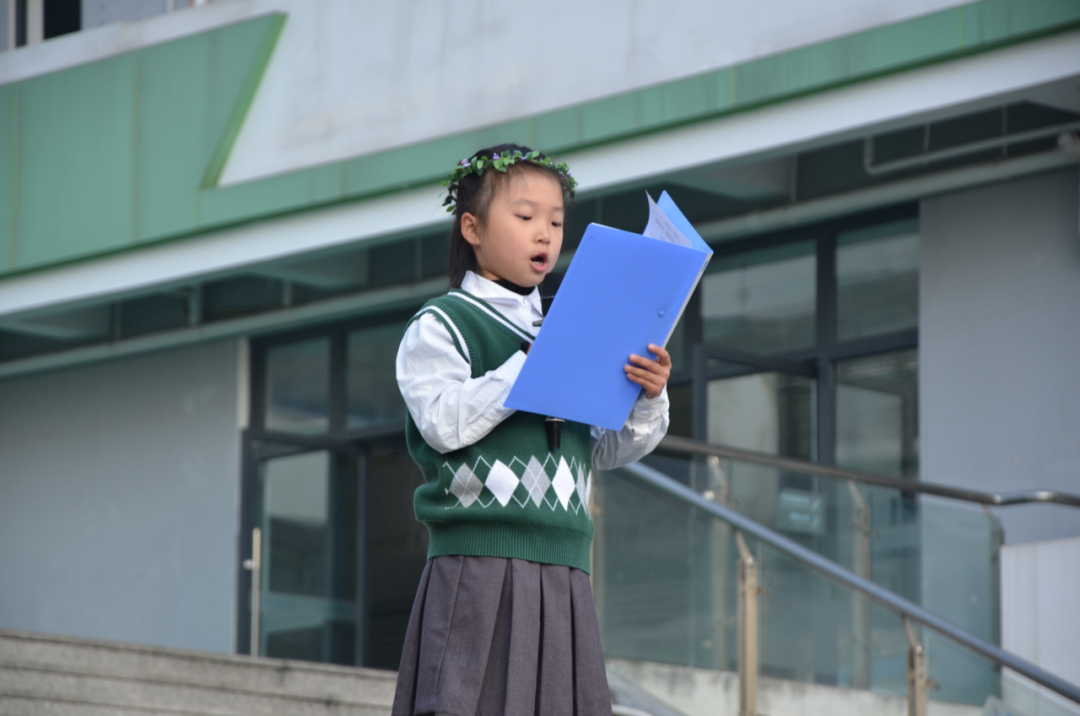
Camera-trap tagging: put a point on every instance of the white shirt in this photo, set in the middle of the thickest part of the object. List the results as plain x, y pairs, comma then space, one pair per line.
452, 409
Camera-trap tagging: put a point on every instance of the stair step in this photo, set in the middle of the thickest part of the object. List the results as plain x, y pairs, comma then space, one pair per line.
45, 654
108, 691
20, 706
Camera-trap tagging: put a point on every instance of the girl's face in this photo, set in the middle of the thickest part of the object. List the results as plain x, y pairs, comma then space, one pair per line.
522, 237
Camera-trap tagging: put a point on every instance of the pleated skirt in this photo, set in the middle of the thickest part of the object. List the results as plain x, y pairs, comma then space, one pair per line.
491, 637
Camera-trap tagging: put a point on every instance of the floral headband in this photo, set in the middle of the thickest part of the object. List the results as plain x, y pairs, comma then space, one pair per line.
500, 162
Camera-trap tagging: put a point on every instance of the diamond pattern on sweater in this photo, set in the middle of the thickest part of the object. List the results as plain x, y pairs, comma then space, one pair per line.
563, 483
502, 482
570, 488
466, 486
580, 485
535, 481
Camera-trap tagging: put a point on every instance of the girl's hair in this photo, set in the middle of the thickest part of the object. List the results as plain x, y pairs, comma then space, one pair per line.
474, 195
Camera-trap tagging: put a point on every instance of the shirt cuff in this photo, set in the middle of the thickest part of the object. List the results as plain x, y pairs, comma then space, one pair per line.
648, 408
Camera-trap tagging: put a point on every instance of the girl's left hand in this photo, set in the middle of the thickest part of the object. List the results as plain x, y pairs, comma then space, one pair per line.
652, 375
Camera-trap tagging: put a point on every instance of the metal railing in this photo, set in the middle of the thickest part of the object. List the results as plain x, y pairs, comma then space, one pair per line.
909, 611
688, 447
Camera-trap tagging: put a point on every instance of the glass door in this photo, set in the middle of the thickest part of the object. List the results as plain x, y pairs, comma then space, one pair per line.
309, 506
342, 552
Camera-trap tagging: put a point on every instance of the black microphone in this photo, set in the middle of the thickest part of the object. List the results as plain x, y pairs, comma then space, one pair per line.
548, 287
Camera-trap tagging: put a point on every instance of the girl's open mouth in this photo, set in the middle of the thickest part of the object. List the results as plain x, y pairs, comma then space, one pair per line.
539, 262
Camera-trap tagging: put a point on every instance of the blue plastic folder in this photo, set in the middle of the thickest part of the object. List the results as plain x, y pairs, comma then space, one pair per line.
622, 292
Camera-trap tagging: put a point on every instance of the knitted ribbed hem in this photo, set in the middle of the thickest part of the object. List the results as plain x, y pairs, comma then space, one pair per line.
545, 544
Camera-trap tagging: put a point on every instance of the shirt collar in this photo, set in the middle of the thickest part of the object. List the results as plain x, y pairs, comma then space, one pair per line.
495, 294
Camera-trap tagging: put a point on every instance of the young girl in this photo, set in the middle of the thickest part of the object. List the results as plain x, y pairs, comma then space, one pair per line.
503, 621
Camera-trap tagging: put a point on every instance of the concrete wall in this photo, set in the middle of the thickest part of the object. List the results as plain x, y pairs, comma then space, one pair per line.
119, 494
1039, 584
999, 345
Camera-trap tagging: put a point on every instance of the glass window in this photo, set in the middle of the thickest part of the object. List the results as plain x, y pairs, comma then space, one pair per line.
761, 301
372, 391
877, 413
298, 387
767, 412
877, 280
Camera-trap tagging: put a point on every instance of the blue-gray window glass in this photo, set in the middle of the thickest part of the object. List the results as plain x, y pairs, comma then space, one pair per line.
761, 301
308, 520
372, 391
877, 280
298, 387
766, 412
877, 413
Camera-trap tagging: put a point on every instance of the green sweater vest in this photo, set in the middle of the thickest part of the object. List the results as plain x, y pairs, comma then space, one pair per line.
506, 495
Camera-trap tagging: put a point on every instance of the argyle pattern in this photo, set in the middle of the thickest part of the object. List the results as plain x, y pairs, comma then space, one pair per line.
554, 483
508, 494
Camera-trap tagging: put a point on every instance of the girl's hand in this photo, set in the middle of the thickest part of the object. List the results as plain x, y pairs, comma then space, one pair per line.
652, 375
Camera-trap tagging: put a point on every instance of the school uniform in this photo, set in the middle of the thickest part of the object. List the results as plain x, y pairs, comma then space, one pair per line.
503, 621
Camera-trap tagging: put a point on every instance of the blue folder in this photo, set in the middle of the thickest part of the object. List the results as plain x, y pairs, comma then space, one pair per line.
622, 292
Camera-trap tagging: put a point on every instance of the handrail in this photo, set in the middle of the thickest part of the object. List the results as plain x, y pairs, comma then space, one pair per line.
849, 579
686, 446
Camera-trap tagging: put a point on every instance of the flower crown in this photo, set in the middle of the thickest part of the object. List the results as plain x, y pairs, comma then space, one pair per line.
500, 162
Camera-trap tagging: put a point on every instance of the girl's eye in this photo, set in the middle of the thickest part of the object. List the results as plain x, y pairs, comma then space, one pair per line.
524, 218
557, 224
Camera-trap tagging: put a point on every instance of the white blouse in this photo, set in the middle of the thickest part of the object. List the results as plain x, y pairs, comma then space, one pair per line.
452, 409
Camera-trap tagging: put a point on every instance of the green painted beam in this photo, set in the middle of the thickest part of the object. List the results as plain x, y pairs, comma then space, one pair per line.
126, 151
107, 155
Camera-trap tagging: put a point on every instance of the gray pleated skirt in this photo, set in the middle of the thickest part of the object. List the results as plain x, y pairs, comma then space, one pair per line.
490, 637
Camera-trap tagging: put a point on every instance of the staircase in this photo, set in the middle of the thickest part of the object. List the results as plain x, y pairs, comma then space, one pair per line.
64, 676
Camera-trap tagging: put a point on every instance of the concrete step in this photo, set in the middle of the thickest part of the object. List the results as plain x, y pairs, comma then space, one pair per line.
19, 706
156, 696
50, 674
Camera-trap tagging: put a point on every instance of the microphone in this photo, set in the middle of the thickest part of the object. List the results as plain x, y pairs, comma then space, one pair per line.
548, 288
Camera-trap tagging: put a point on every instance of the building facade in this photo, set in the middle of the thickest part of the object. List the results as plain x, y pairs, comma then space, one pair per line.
215, 221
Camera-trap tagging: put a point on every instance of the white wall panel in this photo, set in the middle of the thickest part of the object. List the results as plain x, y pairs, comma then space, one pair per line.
119, 499
999, 345
1040, 582
351, 78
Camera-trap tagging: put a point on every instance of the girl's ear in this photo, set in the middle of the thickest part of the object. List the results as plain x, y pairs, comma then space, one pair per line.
470, 228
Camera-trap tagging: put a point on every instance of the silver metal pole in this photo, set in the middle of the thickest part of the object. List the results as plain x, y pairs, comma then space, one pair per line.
860, 605
720, 489
254, 565
917, 677
748, 629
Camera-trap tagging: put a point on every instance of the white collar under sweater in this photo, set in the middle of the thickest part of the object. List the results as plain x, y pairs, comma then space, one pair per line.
522, 311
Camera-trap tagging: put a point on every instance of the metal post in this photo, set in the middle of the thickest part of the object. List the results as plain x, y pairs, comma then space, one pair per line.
719, 492
917, 677
860, 605
255, 566
748, 629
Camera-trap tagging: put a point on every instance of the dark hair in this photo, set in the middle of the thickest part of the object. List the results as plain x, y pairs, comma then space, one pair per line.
474, 195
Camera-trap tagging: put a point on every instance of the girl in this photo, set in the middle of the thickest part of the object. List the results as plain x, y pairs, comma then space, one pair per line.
503, 621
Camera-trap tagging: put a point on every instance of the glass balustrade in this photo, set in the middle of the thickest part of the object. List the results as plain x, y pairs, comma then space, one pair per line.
667, 592
940, 554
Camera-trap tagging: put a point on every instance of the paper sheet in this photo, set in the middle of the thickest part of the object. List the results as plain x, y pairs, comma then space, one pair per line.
660, 226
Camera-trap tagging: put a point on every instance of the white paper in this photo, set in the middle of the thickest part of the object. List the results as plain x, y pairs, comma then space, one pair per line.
660, 227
